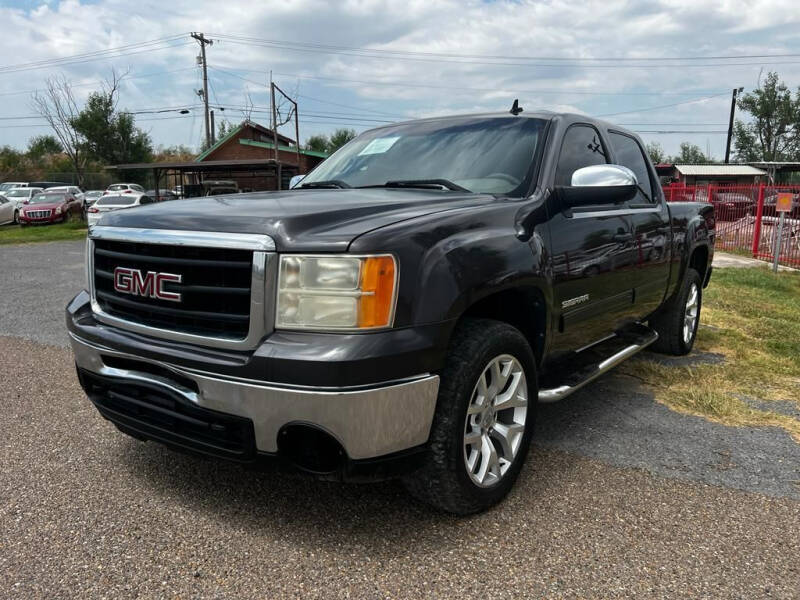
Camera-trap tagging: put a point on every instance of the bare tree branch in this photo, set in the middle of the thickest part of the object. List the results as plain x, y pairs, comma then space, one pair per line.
58, 107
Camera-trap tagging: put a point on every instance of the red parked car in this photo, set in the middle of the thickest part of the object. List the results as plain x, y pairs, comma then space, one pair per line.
54, 207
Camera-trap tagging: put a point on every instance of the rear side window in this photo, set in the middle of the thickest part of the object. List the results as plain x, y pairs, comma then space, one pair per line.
629, 154
581, 147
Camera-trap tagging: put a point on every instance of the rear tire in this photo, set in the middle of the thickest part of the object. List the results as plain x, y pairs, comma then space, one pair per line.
676, 323
16, 217
475, 457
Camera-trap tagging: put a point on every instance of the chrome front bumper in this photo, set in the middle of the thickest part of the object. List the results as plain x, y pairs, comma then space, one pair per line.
368, 421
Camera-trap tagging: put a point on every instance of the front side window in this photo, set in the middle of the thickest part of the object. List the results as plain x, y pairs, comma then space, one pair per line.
629, 154
493, 155
581, 147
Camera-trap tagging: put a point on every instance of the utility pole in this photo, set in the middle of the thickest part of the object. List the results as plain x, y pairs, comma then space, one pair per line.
275, 132
273, 87
736, 91
203, 43
213, 130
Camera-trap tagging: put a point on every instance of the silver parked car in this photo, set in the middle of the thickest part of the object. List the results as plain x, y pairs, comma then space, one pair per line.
8, 211
19, 195
113, 202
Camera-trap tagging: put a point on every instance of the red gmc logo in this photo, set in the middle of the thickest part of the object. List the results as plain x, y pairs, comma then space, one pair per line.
149, 285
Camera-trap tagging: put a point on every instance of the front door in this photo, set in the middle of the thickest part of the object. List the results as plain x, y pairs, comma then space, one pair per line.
592, 253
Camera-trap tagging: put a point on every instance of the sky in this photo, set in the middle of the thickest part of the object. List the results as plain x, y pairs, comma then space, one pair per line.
655, 67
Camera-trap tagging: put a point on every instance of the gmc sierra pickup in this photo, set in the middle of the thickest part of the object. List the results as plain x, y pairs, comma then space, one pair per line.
402, 311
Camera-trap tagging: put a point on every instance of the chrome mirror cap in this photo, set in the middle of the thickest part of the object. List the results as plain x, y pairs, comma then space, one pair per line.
604, 176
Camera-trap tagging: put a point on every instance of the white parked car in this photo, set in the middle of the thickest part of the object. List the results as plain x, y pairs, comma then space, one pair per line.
91, 196
124, 188
116, 201
9, 185
8, 211
19, 195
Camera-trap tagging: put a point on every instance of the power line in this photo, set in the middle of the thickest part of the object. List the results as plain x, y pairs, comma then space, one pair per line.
103, 57
366, 53
646, 109
391, 52
407, 84
98, 82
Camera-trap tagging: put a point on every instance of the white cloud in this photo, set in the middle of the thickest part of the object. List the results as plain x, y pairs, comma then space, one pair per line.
559, 28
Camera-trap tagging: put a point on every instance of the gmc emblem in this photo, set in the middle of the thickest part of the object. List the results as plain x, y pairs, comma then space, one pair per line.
149, 285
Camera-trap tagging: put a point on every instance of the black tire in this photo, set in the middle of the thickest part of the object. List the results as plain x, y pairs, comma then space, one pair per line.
669, 321
16, 217
444, 481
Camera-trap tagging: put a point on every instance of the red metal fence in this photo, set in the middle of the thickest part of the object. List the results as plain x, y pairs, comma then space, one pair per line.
747, 222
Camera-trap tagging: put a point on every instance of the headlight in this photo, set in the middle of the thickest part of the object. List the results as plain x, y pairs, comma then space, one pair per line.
336, 292
58, 210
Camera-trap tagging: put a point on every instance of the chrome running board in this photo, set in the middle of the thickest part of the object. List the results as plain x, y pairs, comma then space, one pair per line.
640, 340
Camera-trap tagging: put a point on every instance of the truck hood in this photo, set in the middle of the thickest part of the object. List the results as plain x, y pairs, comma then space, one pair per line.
298, 220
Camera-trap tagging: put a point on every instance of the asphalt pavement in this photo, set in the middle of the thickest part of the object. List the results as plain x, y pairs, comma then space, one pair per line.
620, 497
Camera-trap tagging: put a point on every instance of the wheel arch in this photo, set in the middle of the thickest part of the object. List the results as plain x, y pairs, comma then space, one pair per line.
522, 307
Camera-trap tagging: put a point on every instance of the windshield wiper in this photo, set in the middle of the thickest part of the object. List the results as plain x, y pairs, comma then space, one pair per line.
434, 184
328, 183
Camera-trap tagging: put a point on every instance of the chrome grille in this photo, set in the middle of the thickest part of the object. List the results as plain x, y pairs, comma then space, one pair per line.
38, 214
223, 298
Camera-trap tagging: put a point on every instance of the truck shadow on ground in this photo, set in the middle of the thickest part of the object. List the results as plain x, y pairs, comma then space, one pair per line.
326, 514
613, 421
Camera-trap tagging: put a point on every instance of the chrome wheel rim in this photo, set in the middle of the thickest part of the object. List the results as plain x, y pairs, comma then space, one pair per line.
690, 314
495, 422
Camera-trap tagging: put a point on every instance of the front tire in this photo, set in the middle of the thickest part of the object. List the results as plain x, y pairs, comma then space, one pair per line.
676, 323
484, 419
16, 217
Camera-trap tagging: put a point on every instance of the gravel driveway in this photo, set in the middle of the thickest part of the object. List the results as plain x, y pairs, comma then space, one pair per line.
620, 498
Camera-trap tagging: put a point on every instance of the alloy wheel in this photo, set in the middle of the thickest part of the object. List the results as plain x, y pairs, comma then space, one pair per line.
495, 422
690, 313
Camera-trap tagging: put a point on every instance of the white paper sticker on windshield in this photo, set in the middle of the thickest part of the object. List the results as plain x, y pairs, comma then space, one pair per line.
379, 145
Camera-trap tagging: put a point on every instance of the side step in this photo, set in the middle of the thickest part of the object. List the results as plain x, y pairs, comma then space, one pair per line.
636, 339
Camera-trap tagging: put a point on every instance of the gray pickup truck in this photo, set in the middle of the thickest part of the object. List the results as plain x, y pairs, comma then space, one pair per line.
402, 311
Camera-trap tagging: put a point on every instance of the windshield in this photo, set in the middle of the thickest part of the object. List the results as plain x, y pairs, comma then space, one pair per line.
8, 185
117, 187
94, 194
18, 193
481, 154
116, 201
50, 198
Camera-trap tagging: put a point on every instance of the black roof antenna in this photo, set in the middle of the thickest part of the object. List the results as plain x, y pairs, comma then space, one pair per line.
515, 108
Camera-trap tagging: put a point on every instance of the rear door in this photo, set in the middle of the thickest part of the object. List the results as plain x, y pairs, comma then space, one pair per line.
591, 250
6, 210
651, 231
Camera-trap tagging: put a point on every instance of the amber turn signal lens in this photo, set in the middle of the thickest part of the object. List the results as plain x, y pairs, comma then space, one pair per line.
377, 289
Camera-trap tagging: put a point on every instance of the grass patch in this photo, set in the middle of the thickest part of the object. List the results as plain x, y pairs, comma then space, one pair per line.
752, 316
14, 234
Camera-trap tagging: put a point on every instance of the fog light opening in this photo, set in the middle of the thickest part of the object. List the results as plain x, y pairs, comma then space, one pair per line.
311, 449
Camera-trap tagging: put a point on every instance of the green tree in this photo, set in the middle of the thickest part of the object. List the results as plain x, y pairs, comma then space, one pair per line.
41, 145
655, 152
690, 154
773, 133
10, 162
224, 128
317, 143
109, 135
339, 138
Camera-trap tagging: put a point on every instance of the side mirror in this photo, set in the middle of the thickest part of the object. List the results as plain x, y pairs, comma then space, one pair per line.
26, 201
599, 184
295, 181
